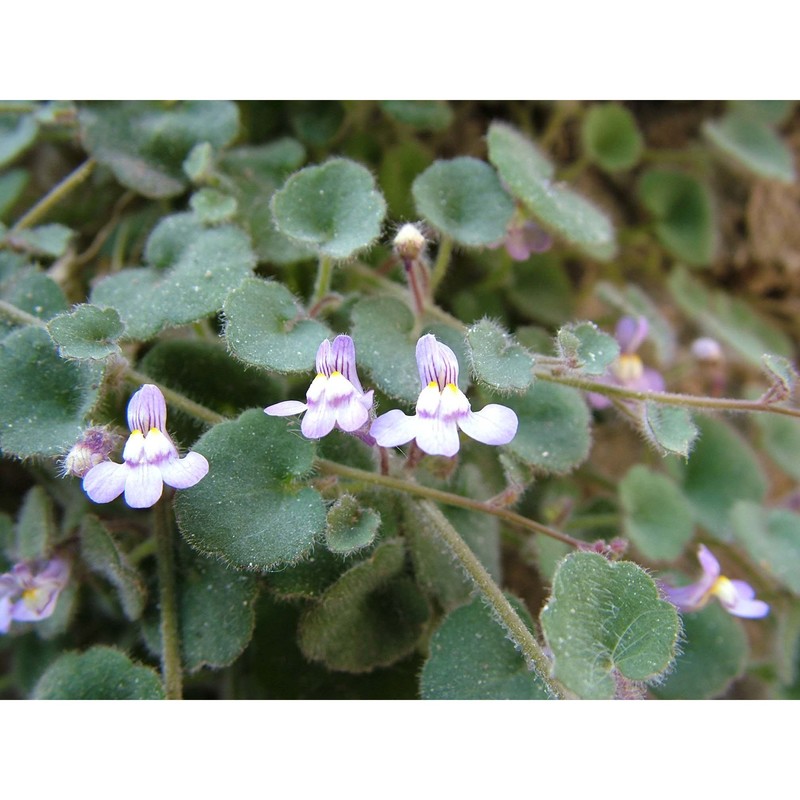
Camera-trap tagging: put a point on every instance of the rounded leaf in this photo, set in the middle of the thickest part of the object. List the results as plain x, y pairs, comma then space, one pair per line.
463, 199
472, 658
424, 115
656, 516
87, 332
266, 326
101, 673
553, 433
605, 617
371, 617
611, 137
335, 207
350, 527
496, 358
752, 144
44, 400
248, 511
586, 347
683, 212
528, 174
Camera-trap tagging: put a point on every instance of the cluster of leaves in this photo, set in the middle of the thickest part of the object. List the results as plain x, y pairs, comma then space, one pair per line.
210, 247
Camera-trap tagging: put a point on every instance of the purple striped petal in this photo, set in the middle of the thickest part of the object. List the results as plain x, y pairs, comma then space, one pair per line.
105, 481
144, 486
318, 421
631, 333
286, 408
147, 409
343, 355
181, 473
394, 428
493, 424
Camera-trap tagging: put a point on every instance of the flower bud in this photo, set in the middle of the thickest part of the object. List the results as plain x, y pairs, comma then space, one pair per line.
94, 446
409, 243
707, 350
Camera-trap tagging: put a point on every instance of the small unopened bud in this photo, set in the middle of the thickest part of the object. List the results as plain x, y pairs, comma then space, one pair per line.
409, 244
707, 350
94, 446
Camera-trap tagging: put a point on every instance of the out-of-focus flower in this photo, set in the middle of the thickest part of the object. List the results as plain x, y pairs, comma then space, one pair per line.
737, 597
94, 446
29, 592
335, 397
627, 370
442, 408
150, 459
524, 237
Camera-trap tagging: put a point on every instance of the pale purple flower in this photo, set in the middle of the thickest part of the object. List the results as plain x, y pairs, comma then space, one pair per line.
442, 408
335, 397
29, 592
524, 237
736, 597
707, 350
627, 370
150, 459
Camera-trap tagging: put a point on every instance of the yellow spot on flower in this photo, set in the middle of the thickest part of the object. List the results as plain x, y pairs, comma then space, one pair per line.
137, 432
433, 385
629, 368
452, 387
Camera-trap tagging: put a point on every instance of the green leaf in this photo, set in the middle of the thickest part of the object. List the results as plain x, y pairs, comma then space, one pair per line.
772, 540
29, 289
87, 332
101, 673
713, 654
586, 347
463, 199
605, 617
371, 617
670, 429
36, 526
722, 470
213, 207
381, 330
316, 122
311, 577
255, 174
684, 214
335, 207
472, 658
771, 112
199, 164
194, 269
50, 241
248, 510
12, 185
103, 556
780, 438
728, 319
350, 527
44, 400
553, 433
17, 134
781, 372
753, 145
656, 516
399, 167
611, 137
216, 612
497, 360
266, 326
145, 143
424, 115
528, 173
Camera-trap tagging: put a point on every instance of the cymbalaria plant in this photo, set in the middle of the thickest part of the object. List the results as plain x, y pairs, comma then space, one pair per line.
454, 408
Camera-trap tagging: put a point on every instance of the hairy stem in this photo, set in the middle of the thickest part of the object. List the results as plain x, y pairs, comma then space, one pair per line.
171, 669
668, 398
322, 287
54, 196
409, 487
442, 263
493, 595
